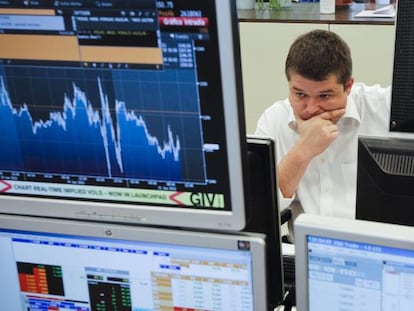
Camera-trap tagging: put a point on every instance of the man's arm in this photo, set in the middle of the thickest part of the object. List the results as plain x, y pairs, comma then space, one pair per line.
291, 170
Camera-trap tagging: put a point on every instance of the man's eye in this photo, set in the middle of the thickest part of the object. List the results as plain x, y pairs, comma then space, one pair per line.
324, 96
301, 95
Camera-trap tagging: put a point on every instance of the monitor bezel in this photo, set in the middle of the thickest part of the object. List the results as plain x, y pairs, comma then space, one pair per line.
192, 217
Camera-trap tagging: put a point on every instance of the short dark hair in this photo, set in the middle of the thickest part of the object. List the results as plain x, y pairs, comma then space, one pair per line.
317, 54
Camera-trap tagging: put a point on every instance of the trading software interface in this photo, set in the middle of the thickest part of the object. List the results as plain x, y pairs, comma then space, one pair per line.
55, 272
347, 275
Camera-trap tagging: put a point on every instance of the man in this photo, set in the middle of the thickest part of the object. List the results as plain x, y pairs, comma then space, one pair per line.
316, 129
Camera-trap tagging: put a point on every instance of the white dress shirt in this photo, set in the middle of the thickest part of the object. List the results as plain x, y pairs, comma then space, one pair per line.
329, 184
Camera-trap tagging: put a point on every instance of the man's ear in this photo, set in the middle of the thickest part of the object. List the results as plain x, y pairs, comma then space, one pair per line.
348, 85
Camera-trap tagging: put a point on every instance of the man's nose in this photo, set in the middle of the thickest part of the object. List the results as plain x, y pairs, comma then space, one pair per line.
312, 106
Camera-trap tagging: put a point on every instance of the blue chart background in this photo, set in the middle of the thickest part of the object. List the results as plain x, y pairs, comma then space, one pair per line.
142, 125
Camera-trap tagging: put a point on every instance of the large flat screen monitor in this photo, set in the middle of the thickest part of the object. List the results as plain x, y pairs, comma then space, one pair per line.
348, 264
51, 264
385, 180
263, 212
126, 111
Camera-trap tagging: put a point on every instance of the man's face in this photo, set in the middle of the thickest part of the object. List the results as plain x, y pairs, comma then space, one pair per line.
310, 98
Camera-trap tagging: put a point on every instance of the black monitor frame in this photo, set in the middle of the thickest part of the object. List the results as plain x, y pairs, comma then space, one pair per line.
262, 210
385, 180
402, 97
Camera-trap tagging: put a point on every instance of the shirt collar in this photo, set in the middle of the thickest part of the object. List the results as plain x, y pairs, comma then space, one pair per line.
351, 118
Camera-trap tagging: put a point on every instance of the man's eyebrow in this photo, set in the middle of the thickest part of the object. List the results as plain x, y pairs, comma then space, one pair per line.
298, 89
327, 91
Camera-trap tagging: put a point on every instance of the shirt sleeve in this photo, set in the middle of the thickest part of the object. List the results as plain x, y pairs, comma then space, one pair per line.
284, 203
374, 105
267, 126
262, 126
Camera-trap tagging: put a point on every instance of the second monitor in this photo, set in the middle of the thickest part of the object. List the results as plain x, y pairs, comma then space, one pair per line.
348, 264
262, 210
51, 264
385, 180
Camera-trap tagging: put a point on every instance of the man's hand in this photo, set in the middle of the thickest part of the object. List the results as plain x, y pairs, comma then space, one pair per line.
318, 132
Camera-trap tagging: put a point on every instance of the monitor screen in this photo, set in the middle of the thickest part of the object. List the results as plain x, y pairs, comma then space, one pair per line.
385, 180
347, 264
51, 264
127, 111
402, 108
263, 212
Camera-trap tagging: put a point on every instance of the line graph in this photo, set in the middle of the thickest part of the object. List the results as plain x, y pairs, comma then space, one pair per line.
98, 134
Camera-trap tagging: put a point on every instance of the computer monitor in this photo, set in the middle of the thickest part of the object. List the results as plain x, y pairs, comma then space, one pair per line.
51, 264
385, 180
402, 98
348, 264
126, 111
263, 212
